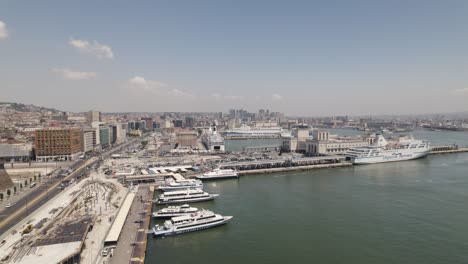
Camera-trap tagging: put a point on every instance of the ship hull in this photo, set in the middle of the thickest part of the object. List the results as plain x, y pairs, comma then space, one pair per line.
209, 178
178, 188
178, 231
190, 200
393, 157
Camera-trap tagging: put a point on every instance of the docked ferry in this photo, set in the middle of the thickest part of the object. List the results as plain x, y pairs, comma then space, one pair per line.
185, 196
188, 223
383, 151
218, 174
182, 185
172, 211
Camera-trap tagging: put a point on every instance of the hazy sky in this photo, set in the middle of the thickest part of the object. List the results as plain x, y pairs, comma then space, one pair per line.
299, 57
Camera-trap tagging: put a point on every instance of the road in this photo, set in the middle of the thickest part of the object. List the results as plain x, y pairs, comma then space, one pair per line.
44, 193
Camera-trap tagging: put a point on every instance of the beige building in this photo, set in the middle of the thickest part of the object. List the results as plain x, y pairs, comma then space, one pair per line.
93, 116
187, 138
321, 144
297, 142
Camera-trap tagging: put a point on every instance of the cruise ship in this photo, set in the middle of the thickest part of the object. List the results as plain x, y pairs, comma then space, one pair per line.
218, 174
383, 151
172, 211
245, 130
212, 140
185, 196
188, 223
182, 185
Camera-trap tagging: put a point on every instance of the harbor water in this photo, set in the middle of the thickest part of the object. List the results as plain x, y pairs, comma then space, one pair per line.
403, 212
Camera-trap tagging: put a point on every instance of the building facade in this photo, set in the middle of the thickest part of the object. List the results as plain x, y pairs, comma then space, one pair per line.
93, 116
87, 141
104, 137
187, 138
57, 144
148, 123
321, 144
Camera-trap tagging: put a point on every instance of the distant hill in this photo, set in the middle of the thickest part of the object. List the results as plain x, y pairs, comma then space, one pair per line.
18, 107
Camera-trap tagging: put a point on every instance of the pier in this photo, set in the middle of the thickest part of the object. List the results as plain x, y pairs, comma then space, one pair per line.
298, 168
131, 246
446, 149
261, 149
286, 164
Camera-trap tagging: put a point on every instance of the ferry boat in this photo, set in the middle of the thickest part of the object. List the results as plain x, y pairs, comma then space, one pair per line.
383, 151
188, 223
182, 185
172, 211
186, 196
218, 174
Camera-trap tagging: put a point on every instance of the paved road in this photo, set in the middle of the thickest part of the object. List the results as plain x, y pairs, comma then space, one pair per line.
42, 194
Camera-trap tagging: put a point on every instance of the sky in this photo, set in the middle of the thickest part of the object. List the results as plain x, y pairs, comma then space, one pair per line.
308, 58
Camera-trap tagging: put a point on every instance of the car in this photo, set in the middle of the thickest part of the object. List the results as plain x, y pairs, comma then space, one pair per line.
138, 221
105, 252
8, 205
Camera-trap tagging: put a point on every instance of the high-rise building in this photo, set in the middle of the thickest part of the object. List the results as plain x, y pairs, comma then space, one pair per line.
178, 123
93, 116
189, 121
87, 140
149, 123
57, 144
104, 136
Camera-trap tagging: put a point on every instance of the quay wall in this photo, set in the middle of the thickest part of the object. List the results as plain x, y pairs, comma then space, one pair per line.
459, 150
297, 168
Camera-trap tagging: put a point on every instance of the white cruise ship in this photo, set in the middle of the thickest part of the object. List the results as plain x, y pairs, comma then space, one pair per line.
245, 130
218, 174
172, 211
383, 151
186, 196
182, 185
212, 140
188, 223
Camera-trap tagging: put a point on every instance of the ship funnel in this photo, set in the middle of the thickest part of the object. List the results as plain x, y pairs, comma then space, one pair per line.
381, 141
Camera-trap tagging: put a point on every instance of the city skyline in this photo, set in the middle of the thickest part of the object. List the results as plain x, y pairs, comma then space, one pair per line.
304, 59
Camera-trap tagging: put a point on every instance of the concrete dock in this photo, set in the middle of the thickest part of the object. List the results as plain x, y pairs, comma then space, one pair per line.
448, 151
298, 168
131, 247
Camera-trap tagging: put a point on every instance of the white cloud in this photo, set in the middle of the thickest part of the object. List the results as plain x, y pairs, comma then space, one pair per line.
3, 30
226, 97
140, 83
177, 92
74, 75
276, 97
147, 85
461, 91
95, 48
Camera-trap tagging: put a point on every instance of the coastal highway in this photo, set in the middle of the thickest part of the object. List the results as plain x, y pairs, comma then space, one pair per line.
37, 198
43, 193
